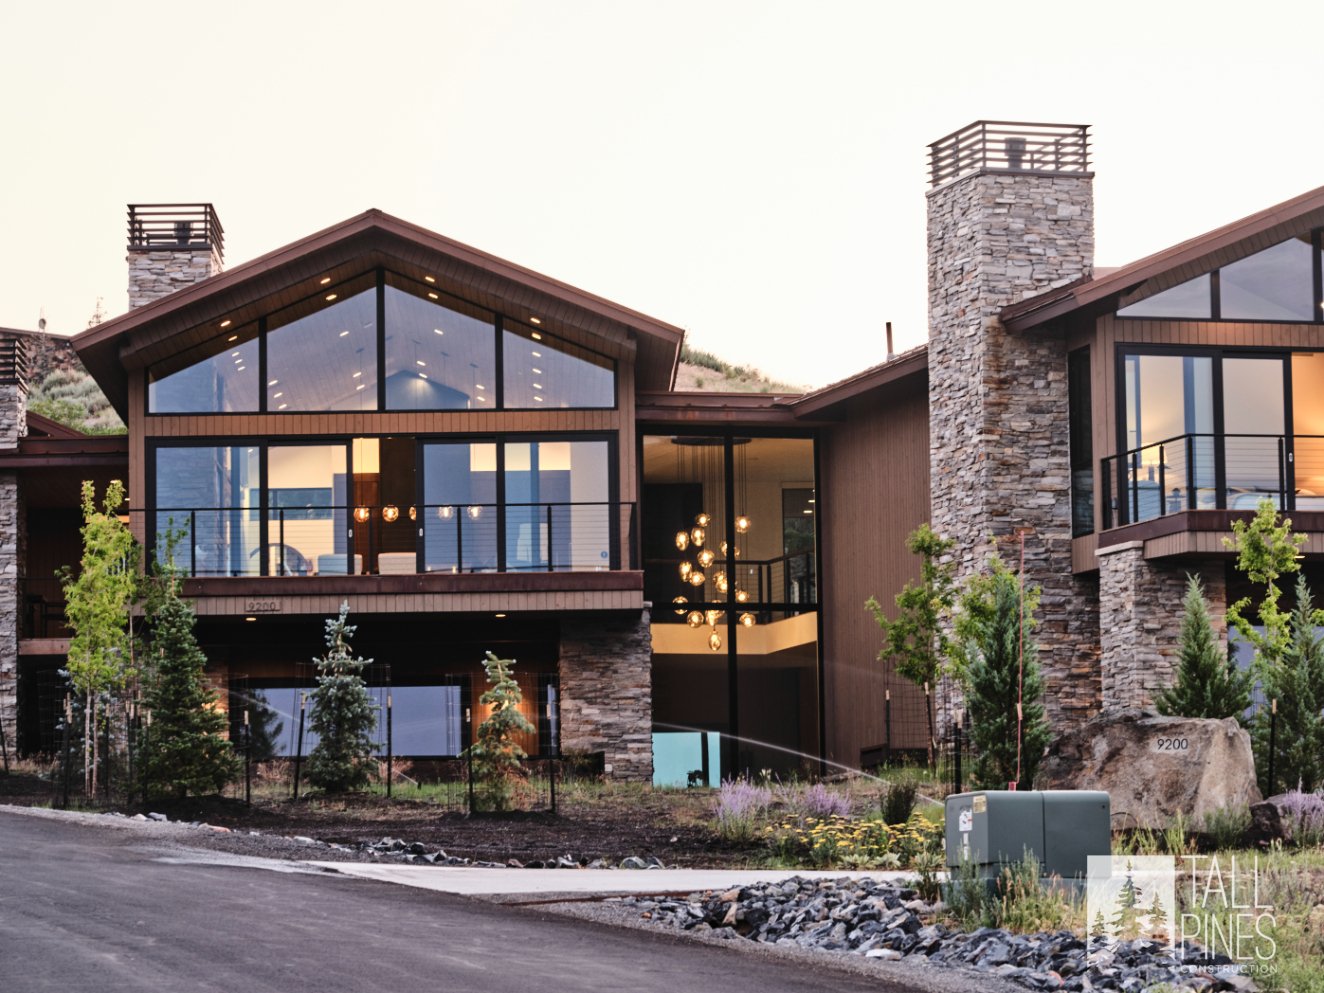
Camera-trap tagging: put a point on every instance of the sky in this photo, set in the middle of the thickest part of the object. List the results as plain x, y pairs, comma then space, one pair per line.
753, 172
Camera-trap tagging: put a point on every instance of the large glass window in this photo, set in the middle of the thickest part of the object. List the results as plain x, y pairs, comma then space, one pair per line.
557, 510
1191, 299
1169, 433
541, 373
307, 511
322, 353
1080, 406
208, 497
1254, 414
440, 353
1272, 285
219, 377
459, 513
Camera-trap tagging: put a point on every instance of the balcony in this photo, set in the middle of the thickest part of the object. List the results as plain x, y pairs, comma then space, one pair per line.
1213, 472
385, 540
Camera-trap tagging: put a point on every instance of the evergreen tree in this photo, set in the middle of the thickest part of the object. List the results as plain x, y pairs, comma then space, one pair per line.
343, 714
495, 752
184, 751
1100, 926
1296, 681
1126, 922
999, 668
1209, 684
916, 640
1158, 920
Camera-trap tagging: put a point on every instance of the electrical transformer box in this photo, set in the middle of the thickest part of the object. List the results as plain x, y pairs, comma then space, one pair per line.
1060, 828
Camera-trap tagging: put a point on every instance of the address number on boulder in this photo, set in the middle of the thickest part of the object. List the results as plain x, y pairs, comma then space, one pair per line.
1171, 744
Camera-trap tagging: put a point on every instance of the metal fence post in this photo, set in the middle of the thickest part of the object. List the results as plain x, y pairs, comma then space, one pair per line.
389, 751
298, 748
248, 761
68, 719
551, 781
1273, 734
469, 762
887, 724
956, 750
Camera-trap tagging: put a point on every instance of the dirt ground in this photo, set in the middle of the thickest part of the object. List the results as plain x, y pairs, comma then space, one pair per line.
592, 822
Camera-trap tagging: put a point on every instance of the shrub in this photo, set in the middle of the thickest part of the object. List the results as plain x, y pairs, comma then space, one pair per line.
1295, 680
898, 800
343, 714
1209, 684
496, 755
739, 805
1226, 827
814, 800
1304, 814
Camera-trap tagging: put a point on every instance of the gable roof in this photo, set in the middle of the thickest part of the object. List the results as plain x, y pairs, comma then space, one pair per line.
183, 318
1172, 265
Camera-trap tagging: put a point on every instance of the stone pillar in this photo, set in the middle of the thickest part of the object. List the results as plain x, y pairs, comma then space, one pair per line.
13, 427
158, 273
606, 692
1140, 621
999, 456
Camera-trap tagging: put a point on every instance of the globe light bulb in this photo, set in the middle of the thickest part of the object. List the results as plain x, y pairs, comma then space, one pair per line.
706, 557
697, 536
742, 596
697, 579
703, 520
747, 619
720, 581
715, 641
390, 513
695, 619
361, 514
682, 540
742, 524
685, 568
679, 599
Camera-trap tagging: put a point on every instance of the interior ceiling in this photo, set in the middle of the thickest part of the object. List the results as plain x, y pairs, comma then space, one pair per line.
763, 458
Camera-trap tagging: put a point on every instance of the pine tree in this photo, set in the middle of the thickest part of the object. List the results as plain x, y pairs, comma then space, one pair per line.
1209, 684
1158, 920
1296, 680
495, 752
343, 714
991, 639
1125, 923
1100, 926
184, 750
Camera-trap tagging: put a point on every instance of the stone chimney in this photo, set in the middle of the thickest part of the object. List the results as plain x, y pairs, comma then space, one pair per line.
1011, 215
171, 246
13, 427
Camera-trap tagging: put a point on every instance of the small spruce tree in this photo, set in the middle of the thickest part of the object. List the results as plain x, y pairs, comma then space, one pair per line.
495, 752
1296, 681
344, 716
999, 666
1209, 684
184, 751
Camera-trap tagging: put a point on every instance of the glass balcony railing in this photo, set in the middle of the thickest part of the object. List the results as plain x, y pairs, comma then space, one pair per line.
392, 540
1212, 472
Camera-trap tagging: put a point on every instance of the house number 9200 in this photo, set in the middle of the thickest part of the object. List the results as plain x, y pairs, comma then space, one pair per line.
262, 606
1171, 744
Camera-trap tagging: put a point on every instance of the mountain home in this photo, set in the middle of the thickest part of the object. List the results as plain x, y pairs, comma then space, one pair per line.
478, 457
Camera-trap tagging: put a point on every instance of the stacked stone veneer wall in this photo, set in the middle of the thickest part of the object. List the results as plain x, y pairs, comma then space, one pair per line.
606, 692
13, 426
1140, 621
154, 274
999, 448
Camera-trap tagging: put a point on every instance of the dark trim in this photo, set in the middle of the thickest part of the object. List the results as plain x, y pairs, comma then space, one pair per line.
380, 364
818, 598
427, 582
1218, 521
732, 649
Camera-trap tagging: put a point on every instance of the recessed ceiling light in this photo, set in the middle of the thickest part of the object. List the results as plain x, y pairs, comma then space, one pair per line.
536, 320
282, 406
233, 337
325, 279
479, 386
250, 618
430, 279
539, 399
234, 355
537, 386
537, 372
242, 368
360, 386
498, 615
482, 399
226, 323
433, 296
536, 355
537, 336
344, 334
422, 375
273, 382
357, 374
277, 395
330, 297
419, 362
438, 331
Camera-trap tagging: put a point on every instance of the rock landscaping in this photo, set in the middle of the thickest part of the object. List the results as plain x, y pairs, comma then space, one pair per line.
884, 921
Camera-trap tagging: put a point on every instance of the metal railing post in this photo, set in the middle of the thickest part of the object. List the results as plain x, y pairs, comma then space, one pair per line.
1190, 472
549, 538
1162, 481
459, 538
193, 543
280, 532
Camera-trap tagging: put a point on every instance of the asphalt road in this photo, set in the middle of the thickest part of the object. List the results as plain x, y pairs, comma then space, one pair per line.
86, 908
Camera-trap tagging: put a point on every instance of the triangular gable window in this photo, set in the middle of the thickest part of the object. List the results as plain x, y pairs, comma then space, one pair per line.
1192, 299
1274, 284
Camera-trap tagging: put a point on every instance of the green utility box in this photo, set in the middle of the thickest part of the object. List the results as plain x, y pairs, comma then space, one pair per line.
1060, 828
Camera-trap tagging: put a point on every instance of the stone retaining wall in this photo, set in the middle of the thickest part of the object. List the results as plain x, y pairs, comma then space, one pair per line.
607, 693
1140, 621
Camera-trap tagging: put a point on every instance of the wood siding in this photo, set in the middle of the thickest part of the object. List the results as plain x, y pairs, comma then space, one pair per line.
873, 491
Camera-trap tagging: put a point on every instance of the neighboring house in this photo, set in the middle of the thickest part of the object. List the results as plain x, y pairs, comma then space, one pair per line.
478, 457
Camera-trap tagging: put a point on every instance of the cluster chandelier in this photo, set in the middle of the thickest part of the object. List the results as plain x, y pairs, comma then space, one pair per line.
695, 574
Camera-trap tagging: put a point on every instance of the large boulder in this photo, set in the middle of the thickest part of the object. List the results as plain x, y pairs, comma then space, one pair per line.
1155, 768
1279, 817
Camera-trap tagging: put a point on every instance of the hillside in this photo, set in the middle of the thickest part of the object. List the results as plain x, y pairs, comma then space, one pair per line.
706, 372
